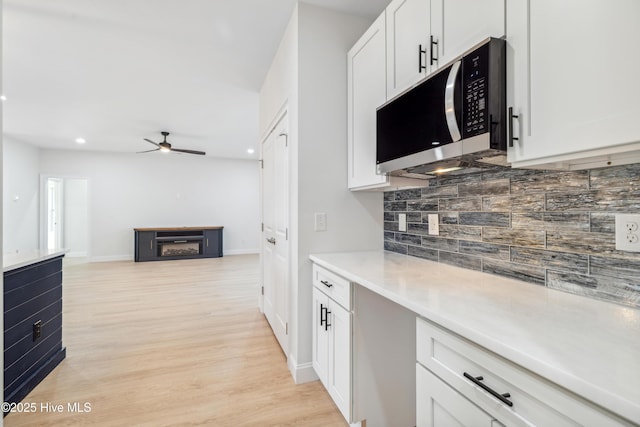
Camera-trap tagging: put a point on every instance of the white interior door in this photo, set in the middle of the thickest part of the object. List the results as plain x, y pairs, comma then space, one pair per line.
275, 243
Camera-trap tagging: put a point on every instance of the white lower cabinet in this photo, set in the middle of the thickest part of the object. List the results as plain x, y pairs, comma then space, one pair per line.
485, 381
332, 338
320, 336
339, 384
438, 405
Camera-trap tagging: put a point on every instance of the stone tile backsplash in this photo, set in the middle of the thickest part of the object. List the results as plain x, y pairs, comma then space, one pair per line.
549, 228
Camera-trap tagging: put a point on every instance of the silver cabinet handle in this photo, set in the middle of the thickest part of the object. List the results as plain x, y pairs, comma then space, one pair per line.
271, 240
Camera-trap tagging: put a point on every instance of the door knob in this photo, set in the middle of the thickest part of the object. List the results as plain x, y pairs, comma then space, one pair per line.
271, 240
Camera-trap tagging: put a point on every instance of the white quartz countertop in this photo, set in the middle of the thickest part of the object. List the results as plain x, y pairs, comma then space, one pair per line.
14, 260
589, 347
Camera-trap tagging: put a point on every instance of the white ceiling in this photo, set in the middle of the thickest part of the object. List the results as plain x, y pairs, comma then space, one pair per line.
117, 71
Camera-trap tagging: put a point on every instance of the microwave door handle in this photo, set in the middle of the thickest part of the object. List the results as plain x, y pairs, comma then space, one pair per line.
449, 102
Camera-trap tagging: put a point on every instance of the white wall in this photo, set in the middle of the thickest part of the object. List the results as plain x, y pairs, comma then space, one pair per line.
309, 75
161, 190
280, 86
20, 196
353, 218
76, 217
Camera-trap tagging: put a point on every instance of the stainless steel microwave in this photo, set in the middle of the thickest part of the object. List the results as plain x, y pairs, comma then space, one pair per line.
454, 117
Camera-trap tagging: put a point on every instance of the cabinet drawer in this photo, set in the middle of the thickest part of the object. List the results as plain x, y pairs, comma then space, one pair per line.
535, 401
438, 405
336, 287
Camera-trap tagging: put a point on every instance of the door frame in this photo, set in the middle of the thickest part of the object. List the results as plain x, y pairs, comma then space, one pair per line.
43, 211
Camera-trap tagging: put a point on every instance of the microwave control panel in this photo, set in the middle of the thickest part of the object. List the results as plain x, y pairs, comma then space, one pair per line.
475, 82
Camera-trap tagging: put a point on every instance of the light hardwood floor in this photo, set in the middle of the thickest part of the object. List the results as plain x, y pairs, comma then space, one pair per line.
172, 343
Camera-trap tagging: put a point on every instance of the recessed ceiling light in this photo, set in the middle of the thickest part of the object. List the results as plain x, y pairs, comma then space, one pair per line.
251, 151
81, 140
3, 98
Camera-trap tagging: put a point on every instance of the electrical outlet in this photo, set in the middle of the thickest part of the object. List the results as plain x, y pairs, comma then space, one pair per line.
627, 232
434, 226
402, 222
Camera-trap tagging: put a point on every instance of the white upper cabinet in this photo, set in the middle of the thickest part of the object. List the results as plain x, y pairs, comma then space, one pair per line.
425, 34
404, 44
408, 43
366, 92
458, 25
573, 82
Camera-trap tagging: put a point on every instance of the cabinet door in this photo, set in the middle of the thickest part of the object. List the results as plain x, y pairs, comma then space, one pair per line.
572, 77
438, 405
213, 243
340, 358
408, 30
320, 334
366, 92
145, 245
458, 25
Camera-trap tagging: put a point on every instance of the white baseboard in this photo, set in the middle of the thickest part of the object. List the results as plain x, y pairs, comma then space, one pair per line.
240, 251
76, 254
301, 373
109, 258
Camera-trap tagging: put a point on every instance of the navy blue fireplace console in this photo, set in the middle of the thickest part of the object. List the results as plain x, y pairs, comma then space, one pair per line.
156, 244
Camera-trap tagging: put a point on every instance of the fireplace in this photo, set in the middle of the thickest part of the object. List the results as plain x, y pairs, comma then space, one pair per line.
177, 244
179, 247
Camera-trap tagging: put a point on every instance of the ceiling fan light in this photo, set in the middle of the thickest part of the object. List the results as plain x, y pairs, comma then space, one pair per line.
164, 149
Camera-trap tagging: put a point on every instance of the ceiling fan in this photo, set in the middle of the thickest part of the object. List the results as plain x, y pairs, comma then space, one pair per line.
164, 146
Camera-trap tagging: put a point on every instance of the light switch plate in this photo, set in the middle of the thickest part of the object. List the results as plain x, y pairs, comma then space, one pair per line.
320, 223
628, 232
434, 226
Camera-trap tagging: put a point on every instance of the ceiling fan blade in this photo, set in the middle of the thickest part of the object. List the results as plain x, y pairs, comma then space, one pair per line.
148, 151
201, 153
148, 140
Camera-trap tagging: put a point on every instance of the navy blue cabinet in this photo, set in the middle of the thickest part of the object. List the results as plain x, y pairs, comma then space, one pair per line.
32, 326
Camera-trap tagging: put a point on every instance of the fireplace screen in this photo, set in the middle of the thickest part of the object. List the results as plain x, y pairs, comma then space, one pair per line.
180, 248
